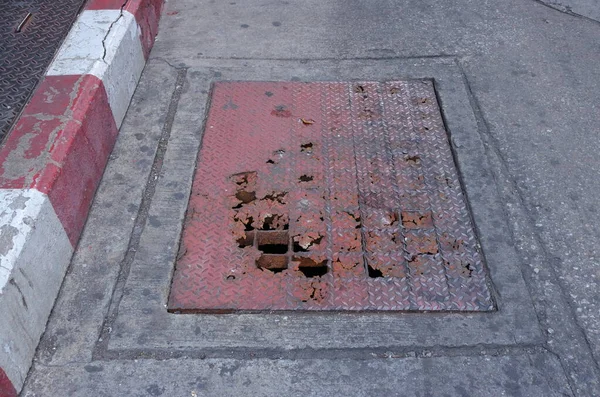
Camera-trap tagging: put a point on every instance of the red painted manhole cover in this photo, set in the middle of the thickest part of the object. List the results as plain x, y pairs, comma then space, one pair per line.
327, 196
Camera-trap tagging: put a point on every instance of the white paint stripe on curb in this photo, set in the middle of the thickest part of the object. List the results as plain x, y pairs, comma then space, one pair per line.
36, 253
106, 44
35, 250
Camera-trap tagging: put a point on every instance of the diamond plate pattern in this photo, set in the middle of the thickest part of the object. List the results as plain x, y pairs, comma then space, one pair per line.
327, 196
25, 55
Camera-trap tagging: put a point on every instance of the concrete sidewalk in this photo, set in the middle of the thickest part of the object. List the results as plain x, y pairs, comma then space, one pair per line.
518, 87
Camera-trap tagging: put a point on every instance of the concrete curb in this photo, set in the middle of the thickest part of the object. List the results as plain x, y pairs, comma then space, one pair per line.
52, 162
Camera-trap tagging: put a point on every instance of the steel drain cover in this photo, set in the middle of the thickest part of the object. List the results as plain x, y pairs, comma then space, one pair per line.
327, 196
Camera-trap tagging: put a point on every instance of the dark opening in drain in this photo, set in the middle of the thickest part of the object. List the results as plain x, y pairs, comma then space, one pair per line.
247, 240
313, 271
298, 248
248, 224
273, 242
274, 222
273, 248
374, 273
311, 268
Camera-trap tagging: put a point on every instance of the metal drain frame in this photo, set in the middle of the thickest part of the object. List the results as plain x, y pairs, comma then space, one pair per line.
143, 324
375, 147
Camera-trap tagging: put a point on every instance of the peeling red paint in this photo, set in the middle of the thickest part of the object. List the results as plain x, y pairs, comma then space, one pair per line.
6, 387
60, 146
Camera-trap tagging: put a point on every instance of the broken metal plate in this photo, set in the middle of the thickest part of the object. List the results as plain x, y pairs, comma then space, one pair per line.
327, 196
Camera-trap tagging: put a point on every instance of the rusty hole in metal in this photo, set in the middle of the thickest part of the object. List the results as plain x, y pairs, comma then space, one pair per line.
273, 263
467, 269
374, 273
311, 268
415, 159
276, 196
246, 222
316, 293
390, 218
273, 242
306, 147
303, 243
247, 240
356, 219
274, 222
307, 220
394, 90
359, 88
306, 178
245, 197
243, 179
415, 219
277, 155
231, 277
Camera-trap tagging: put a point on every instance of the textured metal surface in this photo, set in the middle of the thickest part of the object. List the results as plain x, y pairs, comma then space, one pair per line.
26, 54
327, 196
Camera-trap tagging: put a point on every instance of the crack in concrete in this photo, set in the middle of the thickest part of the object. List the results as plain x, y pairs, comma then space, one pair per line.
170, 64
109, 30
567, 10
14, 283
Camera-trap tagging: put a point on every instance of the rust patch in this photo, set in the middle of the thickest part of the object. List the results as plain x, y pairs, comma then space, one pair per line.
352, 204
417, 219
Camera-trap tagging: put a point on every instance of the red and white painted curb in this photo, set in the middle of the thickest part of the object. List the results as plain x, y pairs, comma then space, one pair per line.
53, 160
